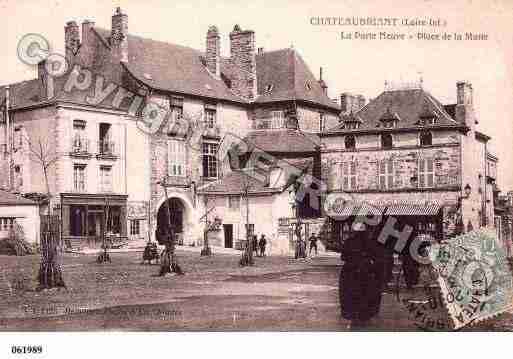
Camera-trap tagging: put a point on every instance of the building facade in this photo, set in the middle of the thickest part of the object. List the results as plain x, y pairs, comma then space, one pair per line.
415, 160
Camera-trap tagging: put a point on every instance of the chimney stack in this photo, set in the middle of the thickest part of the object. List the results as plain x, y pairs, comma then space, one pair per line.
119, 36
213, 53
71, 40
464, 93
242, 53
464, 104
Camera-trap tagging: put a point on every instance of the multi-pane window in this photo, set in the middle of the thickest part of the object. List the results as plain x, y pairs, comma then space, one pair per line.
322, 124
176, 158
105, 179
176, 113
79, 135
277, 119
79, 177
210, 117
426, 172
210, 160
234, 202
386, 140
386, 174
135, 227
348, 175
6, 223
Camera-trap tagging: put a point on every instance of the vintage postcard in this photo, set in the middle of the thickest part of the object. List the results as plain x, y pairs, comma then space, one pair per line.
285, 166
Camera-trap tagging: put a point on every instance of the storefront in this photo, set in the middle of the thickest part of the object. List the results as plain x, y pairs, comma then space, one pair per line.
419, 220
86, 217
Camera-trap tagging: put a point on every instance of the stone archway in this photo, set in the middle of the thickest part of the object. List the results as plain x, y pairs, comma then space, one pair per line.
182, 217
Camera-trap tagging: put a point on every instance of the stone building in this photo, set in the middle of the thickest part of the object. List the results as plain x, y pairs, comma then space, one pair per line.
412, 159
98, 119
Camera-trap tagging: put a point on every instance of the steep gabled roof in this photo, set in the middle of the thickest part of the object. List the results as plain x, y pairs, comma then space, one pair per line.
171, 67
407, 106
290, 78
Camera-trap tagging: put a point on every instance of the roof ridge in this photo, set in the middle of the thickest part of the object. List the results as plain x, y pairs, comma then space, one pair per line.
158, 41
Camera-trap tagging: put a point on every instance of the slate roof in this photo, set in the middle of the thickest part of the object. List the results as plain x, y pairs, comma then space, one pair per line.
235, 182
22, 94
11, 199
406, 106
172, 67
180, 69
283, 141
289, 76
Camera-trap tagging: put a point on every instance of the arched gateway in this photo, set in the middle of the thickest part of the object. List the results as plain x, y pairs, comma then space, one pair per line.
181, 213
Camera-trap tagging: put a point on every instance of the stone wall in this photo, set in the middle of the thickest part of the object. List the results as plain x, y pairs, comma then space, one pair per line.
447, 167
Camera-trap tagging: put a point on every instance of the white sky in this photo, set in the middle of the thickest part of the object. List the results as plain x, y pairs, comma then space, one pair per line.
349, 65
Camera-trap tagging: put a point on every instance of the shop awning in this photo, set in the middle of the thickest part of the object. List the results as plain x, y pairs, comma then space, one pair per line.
413, 209
349, 209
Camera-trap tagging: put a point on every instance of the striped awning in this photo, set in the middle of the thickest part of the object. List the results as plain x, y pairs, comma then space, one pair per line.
413, 209
352, 209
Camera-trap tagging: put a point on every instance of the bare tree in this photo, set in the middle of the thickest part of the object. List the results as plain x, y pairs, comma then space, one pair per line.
247, 255
50, 273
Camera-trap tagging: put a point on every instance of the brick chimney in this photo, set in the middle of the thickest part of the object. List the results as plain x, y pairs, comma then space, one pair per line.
71, 40
464, 104
119, 36
242, 53
86, 50
213, 53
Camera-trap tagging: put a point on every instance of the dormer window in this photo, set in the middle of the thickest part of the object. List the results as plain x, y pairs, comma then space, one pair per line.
269, 88
387, 141
389, 119
427, 117
308, 86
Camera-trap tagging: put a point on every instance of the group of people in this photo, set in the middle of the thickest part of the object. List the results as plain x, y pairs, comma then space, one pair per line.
301, 246
258, 245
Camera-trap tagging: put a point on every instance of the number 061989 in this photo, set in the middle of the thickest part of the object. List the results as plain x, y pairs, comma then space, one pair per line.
26, 349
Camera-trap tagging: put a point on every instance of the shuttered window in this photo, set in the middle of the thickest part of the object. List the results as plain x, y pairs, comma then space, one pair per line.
176, 158
348, 175
426, 172
386, 174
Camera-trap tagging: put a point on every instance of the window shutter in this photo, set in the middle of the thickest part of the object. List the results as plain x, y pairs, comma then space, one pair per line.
390, 174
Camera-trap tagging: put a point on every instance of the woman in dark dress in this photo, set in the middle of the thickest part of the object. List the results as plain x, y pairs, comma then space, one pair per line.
362, 278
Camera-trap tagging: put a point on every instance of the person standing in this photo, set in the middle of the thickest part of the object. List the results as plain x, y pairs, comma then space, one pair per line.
254, 242
362, 278
262, 243
313, 244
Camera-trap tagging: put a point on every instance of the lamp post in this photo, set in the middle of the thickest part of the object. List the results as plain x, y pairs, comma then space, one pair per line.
104, 257
460, 226
206, 251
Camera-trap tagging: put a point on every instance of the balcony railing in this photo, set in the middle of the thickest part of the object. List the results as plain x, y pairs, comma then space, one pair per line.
106, 149
80, 147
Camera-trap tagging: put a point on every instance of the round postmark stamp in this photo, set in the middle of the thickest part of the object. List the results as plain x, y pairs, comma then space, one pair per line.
468, 281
